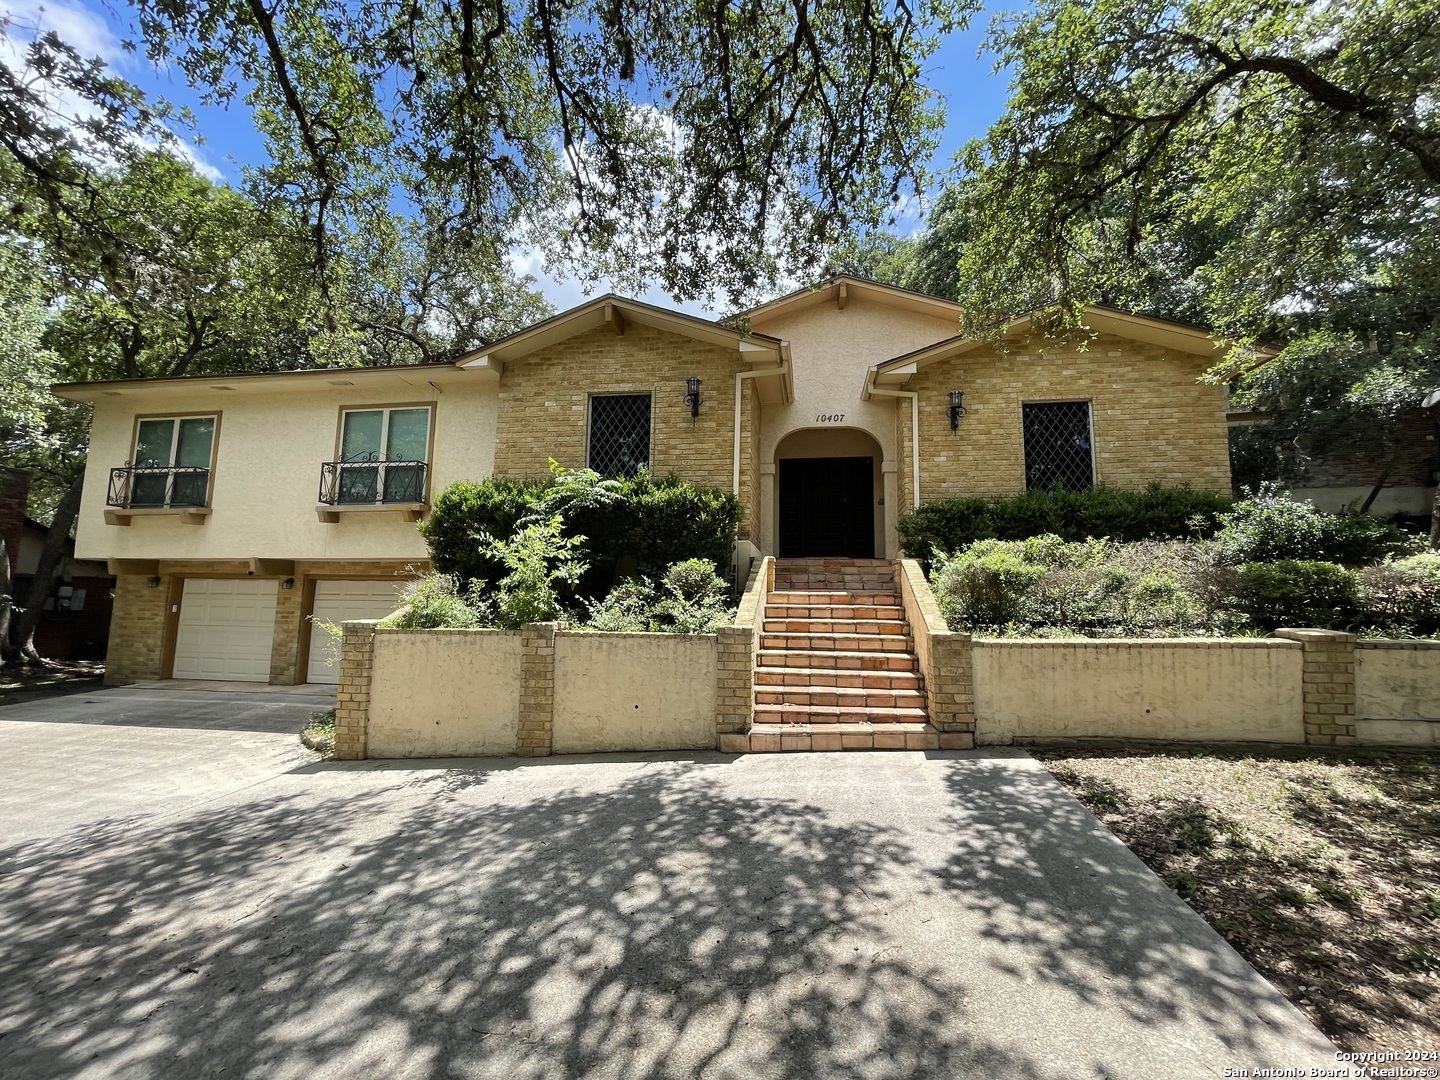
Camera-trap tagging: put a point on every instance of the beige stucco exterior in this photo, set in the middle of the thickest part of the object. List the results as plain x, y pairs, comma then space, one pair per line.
633, 692
444, 693
1241, 689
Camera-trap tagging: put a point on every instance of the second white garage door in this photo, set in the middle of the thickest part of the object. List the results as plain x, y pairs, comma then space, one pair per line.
337, 601
226, 628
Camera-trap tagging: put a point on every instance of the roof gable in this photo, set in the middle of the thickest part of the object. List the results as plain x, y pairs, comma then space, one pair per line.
842, 288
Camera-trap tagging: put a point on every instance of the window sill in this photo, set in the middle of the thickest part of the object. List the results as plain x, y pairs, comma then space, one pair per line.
191, 515
409, 511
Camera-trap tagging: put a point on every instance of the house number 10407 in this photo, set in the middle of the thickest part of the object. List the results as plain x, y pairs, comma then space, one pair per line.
830, 418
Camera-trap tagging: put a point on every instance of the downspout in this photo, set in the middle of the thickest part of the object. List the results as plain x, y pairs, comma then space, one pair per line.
740, 377
914, 395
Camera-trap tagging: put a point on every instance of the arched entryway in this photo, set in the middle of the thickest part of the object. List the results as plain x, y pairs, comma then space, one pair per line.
828, 495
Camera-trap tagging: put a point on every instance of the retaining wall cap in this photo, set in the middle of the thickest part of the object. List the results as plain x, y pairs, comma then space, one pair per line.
1138, 643
1301, 634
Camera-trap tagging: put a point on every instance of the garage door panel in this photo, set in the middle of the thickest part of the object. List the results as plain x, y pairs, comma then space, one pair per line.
226, 629
343, 601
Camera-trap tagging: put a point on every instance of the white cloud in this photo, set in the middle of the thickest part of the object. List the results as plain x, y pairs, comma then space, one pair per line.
565, 291
91, 36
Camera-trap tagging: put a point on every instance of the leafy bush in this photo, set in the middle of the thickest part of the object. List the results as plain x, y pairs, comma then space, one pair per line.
1403, 595
434, 602
1269, 525
537, 559
1297, 592
1157, 513
690, 599
986, 585
648, 524
465, 513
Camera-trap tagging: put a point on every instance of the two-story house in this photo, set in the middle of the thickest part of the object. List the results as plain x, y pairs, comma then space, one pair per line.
234, 509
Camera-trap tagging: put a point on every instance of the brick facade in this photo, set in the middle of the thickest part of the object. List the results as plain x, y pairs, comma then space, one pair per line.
1152, 419
544, 400
535, 735
137, 630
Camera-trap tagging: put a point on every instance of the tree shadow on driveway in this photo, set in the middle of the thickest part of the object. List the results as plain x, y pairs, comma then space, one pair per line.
661, 928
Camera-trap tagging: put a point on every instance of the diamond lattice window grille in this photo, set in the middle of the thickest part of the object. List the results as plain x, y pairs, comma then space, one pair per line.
619, 433
1058, 446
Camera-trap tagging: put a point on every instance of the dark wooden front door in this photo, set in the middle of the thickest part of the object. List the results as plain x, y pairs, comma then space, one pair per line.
827, 507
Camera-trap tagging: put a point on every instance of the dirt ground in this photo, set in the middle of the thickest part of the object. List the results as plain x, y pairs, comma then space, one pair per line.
28, 683
1321, 868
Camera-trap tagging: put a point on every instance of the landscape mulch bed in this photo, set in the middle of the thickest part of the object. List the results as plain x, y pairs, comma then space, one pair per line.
1321, 867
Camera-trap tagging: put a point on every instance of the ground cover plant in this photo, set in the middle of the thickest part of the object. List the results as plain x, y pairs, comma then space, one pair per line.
1267, 562
1321, 867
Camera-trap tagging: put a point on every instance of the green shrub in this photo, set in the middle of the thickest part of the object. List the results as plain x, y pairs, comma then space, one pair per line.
987, 585
537, 560
645, 522
433, 602
1402, 595
1157, 513
465, 513
1269, 525
1296, 592
690, 599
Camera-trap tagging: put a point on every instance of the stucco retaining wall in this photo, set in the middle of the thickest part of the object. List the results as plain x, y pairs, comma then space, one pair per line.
634, 692
1397, 692
1229, 689
444, 693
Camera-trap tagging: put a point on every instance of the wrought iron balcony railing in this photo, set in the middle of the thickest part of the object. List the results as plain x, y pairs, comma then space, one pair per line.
142, 487
371, 482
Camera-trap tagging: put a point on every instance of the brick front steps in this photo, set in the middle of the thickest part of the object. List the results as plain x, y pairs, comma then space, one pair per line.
836, 667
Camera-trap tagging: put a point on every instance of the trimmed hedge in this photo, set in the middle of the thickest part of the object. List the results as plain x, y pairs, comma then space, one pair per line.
1157, 513
652, 523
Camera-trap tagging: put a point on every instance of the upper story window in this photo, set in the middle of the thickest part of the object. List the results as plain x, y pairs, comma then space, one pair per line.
619, 442
172, 461
383, 455
1059, 446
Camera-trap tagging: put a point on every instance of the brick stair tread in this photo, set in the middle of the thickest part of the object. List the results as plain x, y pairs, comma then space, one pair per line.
869, 678
833, 597
845, 696
837, 658
879, 613
838, 713
889, 627
823, 738
789, 640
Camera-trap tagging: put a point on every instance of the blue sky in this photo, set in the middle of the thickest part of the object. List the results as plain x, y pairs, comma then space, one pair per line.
228, 141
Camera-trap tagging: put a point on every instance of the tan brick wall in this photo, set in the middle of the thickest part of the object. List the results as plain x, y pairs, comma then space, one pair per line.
945, 658
137, 630
1329, 685
1152, 419
750, 462
289, 624
352, 696
544, 400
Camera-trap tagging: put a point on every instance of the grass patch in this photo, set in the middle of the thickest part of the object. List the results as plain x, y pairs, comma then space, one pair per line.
319, 734
1321, 867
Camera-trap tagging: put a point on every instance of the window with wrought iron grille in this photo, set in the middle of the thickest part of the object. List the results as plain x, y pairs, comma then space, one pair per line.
619, 433
1059, 447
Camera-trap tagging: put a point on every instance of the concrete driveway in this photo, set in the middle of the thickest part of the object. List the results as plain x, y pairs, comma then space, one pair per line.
184, 894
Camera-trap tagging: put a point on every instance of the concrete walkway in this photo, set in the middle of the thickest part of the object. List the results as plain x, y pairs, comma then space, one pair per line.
856, 915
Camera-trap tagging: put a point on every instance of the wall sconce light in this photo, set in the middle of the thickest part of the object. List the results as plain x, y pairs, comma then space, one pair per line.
957, 409
692, 398
288, 583
153, 583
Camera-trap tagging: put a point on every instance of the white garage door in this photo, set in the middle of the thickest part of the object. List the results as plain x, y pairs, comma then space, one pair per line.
226, 627
337, 601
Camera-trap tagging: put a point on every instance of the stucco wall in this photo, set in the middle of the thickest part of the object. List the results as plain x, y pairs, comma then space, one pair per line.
1241, 689
444, 693
1397, 692
1152, 419
544, 401
267, 470
634, 692
832, 348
